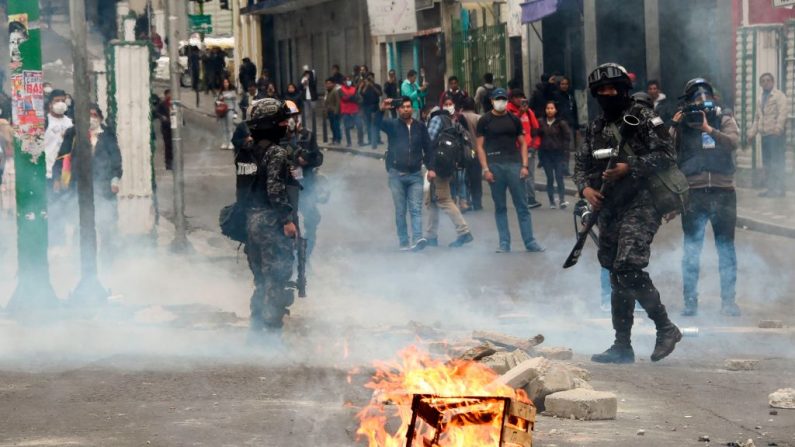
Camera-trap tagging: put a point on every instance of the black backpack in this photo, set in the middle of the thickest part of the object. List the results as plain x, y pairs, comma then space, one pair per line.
485, 102
450, 147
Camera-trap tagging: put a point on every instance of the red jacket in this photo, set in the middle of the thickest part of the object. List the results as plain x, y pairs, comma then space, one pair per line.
529, 124
348, 104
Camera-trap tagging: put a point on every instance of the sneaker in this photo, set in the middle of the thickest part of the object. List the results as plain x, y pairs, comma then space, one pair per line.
691, 309
432, 241
405, 246
420, 244
533, 204
503, 249
563, 205
730, 309
535, 248
462, 239
552, 206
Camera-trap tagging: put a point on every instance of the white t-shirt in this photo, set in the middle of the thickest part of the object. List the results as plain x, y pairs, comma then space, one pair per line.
53, 137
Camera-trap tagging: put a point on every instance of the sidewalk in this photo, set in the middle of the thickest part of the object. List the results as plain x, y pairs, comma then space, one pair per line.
765, 215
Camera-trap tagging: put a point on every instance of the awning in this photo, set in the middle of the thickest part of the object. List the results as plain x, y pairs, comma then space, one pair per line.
535, 10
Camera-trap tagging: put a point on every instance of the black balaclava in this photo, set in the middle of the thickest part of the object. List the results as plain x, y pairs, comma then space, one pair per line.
614, 106
272, 134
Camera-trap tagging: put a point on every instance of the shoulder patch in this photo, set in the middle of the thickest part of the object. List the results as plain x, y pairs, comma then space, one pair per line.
656, 121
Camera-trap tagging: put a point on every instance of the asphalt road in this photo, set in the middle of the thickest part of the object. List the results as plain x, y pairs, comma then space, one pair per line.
146, 377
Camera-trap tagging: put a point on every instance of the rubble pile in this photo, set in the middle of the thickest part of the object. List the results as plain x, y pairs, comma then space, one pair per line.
555, 385
783, 398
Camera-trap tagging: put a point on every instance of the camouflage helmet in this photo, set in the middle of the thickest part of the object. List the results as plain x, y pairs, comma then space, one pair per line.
267, 113
609, 74
644, 99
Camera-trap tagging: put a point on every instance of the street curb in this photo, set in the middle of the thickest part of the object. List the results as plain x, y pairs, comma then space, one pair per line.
742, 221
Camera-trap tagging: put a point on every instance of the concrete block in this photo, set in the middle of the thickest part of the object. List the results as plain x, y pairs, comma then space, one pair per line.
524, 372
783, 398
771, 324
555, 379
582, 404
740, 364
579, 383
497, 362
555, 352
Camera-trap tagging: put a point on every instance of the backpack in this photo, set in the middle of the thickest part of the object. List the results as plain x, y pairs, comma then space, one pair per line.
451, 146
233, 218
485, 101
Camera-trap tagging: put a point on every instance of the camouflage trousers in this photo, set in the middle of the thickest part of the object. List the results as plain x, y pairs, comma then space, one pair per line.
270, 257
625, 237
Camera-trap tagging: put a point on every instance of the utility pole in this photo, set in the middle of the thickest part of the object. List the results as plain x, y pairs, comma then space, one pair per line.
89, 291
180, 243
34, 293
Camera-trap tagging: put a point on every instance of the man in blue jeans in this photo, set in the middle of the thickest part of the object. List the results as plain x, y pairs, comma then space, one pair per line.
409, 146
502, 151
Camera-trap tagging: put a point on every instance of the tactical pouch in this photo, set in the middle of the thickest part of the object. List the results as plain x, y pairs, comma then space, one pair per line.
669, 188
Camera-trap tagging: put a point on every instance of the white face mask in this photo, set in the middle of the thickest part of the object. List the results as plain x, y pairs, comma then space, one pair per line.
348, 83
59, 108
500, 104
450, 109
94, 123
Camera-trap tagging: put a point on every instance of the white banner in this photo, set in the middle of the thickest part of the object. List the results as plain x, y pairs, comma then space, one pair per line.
515, 18
389, 17
781, 3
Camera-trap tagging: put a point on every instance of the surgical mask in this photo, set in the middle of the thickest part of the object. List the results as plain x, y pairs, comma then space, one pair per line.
59, 108
47, 90
450, 110
348, 83
94, 123
500, 105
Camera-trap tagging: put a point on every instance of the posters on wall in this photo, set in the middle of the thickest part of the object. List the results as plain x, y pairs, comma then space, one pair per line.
27, 90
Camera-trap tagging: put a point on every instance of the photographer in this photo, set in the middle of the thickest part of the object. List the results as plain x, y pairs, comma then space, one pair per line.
706, 142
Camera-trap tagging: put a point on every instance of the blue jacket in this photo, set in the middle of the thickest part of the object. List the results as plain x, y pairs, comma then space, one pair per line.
408, 148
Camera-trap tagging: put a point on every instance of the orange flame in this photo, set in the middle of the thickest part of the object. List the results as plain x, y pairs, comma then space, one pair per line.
415, 372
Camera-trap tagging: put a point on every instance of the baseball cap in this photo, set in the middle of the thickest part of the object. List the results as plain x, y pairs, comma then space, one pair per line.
499, 93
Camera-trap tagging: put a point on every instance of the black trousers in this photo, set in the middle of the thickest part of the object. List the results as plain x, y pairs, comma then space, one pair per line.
474, 177
165, 129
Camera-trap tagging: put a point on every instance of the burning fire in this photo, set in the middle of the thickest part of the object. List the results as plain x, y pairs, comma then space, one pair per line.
415, 372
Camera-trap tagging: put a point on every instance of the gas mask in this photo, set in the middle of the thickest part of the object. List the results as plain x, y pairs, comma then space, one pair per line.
500, 104
59, 108
450, 109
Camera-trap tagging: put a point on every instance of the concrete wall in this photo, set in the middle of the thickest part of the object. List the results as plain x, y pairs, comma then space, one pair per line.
313, 36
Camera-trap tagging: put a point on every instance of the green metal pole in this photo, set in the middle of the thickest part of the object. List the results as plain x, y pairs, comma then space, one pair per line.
34, 293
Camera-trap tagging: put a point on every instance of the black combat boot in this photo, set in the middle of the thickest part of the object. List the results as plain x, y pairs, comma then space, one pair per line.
667, 338
620, 352
621, 309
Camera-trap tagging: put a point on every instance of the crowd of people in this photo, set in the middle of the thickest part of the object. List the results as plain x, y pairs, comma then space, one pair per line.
439, 153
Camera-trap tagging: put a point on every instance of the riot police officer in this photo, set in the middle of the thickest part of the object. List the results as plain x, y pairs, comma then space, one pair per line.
706, 144
306, 158
270, 221
628, 219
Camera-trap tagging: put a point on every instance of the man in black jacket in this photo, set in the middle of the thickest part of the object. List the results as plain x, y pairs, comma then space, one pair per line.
248, 74
409, 146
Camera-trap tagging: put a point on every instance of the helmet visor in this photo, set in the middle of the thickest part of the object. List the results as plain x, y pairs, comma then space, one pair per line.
605, 73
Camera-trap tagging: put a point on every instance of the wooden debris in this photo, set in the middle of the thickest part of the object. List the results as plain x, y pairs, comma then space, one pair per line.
508, 341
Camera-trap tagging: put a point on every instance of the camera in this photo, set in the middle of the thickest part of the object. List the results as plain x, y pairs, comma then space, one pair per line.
692, 112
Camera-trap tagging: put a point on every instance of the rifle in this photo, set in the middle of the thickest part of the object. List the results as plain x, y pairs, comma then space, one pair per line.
628, 126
